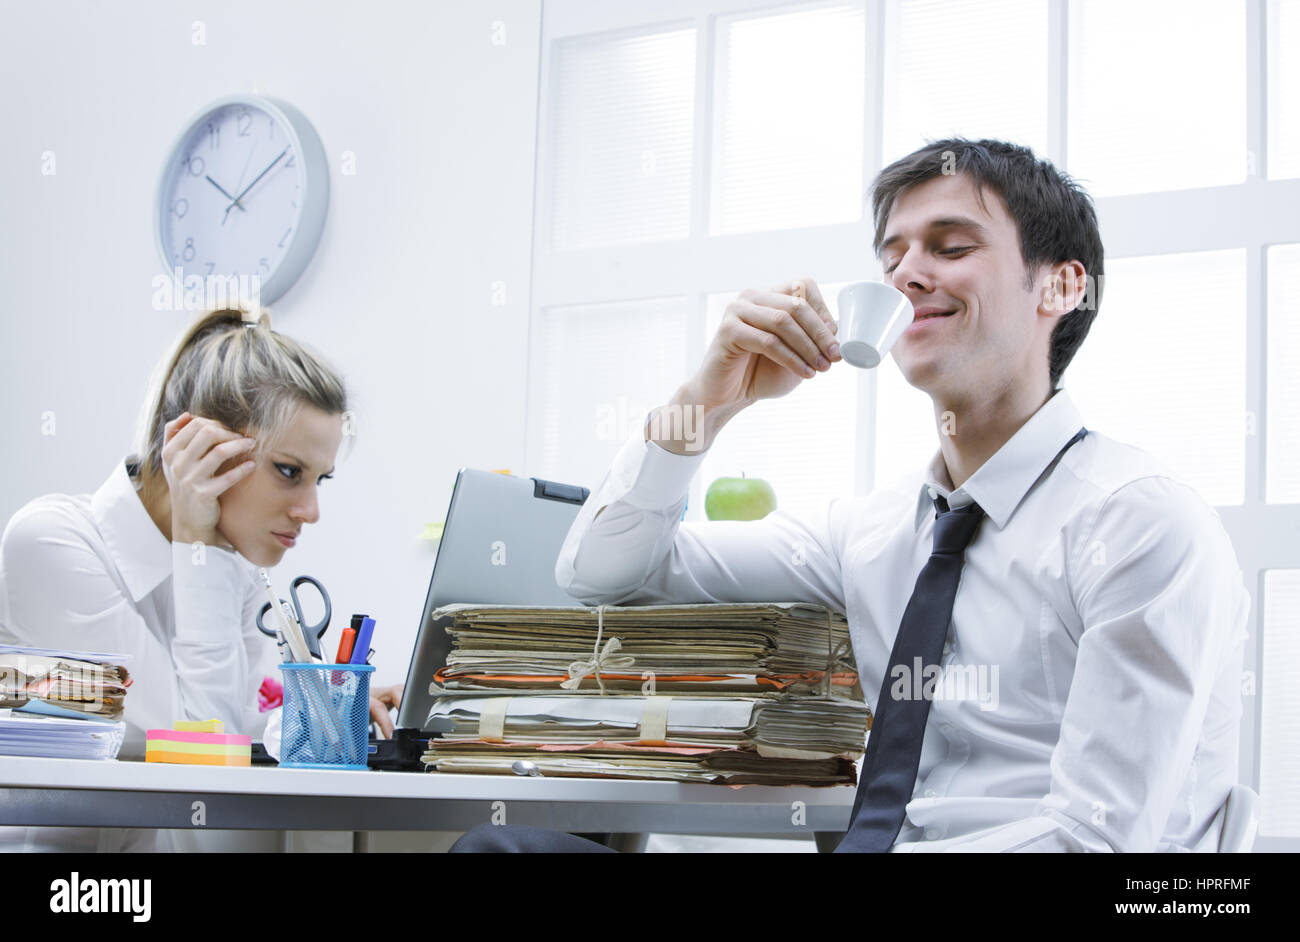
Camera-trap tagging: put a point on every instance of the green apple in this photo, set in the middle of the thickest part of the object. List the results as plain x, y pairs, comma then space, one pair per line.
739, 498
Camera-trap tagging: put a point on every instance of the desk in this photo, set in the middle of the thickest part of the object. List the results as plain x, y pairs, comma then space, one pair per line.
86, 793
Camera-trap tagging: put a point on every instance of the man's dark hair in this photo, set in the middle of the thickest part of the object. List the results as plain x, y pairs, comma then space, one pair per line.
1053, 214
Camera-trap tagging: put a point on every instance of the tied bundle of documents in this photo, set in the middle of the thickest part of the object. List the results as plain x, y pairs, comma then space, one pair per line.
64, 704
759, 649
732, 693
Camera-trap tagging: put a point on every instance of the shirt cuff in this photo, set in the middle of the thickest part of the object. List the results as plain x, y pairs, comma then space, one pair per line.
650, 476
209, 585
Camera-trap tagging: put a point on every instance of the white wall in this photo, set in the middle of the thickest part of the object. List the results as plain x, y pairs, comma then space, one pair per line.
443, 125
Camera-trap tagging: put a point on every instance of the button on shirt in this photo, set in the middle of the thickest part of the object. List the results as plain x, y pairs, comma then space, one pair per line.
94, 573
1089, 696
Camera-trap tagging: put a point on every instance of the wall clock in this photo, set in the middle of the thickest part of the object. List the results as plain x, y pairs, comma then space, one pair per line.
244, 192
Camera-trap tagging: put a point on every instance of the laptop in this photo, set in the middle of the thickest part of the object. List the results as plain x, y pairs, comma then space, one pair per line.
499, 545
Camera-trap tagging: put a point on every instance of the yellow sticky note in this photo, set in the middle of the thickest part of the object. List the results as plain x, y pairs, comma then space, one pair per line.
199, 726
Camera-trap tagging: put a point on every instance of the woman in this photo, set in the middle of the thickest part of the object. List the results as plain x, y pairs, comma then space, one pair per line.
160, 562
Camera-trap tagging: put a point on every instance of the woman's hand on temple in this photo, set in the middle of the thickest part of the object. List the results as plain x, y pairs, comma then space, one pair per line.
194, 450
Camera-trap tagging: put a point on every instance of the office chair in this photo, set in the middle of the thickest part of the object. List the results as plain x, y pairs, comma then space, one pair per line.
1240, 814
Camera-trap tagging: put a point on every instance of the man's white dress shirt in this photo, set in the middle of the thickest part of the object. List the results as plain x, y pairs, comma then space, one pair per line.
1090, 696
94, 573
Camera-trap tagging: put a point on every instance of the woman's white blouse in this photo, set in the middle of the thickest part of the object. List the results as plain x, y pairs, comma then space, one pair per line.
94, 573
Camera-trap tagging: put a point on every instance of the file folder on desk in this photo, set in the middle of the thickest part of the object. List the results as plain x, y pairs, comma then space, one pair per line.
61, 704
75, 682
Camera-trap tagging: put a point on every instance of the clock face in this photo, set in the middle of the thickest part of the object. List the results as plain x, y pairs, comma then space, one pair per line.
230, 196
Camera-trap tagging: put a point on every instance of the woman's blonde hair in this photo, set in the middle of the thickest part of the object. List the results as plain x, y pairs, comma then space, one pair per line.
231, 366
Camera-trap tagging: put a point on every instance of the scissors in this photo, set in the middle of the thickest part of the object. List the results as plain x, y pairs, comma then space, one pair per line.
312, 633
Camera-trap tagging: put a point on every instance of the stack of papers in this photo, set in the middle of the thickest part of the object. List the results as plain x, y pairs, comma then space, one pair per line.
64, 704
625, 760
731, 694
49, 737
771, 649
78, 682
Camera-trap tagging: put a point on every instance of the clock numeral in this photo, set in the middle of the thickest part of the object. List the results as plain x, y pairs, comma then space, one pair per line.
244, 123
181, 207
211, 265
284, 237
290, 161
188, 254
264, 263
214, 136
270, 126
195, 165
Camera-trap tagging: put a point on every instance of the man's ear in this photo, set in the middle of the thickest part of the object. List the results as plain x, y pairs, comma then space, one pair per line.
1063, 287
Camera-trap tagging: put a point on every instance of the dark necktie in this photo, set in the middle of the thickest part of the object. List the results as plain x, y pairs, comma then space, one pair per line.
898, 725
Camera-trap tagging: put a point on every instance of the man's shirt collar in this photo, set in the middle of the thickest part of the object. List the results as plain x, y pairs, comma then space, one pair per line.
1002, 482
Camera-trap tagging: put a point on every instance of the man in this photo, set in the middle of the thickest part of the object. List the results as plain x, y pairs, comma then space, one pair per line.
1099, 595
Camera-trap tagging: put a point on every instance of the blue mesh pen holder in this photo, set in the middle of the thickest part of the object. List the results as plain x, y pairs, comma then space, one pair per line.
326, 722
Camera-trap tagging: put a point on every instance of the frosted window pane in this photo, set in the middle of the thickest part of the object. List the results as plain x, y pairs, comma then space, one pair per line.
598, 370
1283, 406
1157, 97
1283, 89
623, 125
788, 147
803, 444
1164, 366
1279, 753
934, 89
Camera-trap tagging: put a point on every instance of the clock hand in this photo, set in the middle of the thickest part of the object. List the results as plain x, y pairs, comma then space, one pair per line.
224, 193
242, 172
256, 178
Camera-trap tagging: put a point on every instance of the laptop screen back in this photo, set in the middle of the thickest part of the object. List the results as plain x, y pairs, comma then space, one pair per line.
499, 545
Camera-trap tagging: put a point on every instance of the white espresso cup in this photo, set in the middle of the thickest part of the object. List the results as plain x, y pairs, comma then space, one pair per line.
873, 315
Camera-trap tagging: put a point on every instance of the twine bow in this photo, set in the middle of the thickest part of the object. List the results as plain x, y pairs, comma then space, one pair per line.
601, 660
834, 652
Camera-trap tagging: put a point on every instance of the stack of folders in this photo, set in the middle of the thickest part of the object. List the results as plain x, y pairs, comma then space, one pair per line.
729, 693
61, 704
